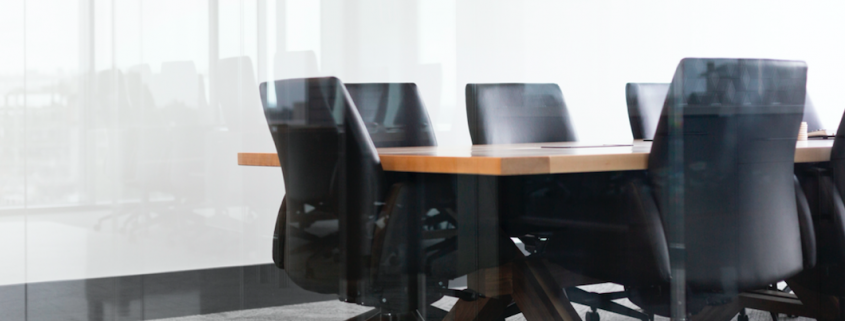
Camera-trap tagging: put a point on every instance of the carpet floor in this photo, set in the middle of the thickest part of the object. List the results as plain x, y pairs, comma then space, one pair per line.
336, 310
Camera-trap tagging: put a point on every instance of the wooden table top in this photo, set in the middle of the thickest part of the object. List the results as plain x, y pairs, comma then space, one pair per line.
525, 159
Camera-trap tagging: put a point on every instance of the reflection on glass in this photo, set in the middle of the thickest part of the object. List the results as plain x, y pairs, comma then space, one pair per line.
120, 121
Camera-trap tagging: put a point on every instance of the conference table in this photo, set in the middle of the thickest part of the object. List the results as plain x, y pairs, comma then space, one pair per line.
529, 159
534, 286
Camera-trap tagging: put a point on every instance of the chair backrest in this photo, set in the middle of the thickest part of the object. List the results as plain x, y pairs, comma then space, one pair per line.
645, 101
332, 180
837, 158
644, 104
811, 116
393, 113
517, 113
725, 165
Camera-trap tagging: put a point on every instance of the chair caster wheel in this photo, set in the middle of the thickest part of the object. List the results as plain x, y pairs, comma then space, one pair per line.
742, 317
592, 316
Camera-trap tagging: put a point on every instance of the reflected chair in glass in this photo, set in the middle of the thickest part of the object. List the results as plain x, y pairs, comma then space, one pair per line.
722, 172
534, 207
348, 230
156, 161
645, 101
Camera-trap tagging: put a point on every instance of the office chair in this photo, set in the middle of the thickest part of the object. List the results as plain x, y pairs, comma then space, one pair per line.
517, 113
532, 205
393, 113
349, 231
824, 183
395, 117
644, 104
737, 122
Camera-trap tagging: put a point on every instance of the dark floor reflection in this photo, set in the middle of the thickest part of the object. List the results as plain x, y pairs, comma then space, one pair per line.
154, 296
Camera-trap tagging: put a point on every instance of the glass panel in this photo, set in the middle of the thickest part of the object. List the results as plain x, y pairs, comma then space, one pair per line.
12, 162
121, 122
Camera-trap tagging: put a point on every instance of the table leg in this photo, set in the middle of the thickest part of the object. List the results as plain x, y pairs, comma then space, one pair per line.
481, 309
492, 282
479, 238
538, 295
495, 285
722, 312
827, 307
776, 302
482, 247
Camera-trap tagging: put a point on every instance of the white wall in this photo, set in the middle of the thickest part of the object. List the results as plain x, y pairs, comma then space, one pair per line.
119, 127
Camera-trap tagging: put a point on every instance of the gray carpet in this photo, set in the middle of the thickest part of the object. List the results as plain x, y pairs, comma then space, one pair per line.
336, 310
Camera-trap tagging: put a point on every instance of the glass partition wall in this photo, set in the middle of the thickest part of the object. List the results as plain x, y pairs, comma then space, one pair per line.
121, 196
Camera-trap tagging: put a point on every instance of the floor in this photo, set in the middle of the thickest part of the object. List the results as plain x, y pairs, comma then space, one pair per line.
336, 310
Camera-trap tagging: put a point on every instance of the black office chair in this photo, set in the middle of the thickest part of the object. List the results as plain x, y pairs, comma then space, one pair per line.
393, 113
645, 101
534, 207
517, 113
348, 231
395, 117
737, 196
824, 183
